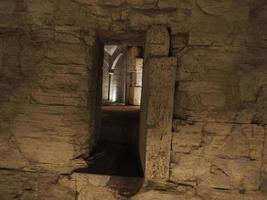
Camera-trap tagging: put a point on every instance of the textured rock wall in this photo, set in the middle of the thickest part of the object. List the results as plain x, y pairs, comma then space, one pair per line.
220, 139
44, 123
44, 101
134, 76
47, 83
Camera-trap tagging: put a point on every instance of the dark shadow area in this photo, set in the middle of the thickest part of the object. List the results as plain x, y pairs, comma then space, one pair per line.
117, 151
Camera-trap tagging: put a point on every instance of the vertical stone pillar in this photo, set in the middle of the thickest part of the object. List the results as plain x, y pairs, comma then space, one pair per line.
157, 104
134, 76
136, 82
157, 42
105, 78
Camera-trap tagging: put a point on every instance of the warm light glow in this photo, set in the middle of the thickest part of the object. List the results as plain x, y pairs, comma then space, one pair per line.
113, 88
114, 93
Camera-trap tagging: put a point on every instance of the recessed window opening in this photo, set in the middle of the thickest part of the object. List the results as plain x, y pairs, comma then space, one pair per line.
117, 150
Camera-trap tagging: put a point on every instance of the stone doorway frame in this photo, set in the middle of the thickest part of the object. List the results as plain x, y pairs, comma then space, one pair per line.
159, 72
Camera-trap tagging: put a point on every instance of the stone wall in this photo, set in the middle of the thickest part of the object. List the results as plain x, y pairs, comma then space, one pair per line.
48, 70
135, 64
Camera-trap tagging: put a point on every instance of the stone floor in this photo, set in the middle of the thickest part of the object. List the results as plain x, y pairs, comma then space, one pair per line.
93, 186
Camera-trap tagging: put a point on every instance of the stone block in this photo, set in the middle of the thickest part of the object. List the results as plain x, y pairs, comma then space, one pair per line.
183, 142
94, 187
133, 52
7, 6
160, 89
139, 64
197, 87
188, 168
251, 80
239, 174
207, 81
216, 100
58, 98
209, 64
244, 141
215, 194
135, 96
179, 41
157, 41
48, 155
173, 4
87, 2
187, 127
67, 37
112, 2
261, 106
219, 23
40, 12
218, 155
136, 79
159, 195
168, 4
135, 3
134, 64
265, 159
158, 96
140, 21
186, 137
11, 157
62, 53
18, 183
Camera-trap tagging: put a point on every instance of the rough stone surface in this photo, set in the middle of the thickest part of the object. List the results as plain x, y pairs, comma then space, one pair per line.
48, 94
264, 167
32, 186
218, 155
158, 195
158, 95
90, 186
157, 41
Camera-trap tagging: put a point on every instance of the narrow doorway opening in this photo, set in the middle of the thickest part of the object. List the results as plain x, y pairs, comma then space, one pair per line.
117, 141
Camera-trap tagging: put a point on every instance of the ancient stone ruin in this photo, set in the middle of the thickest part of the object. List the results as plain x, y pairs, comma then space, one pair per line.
133, 99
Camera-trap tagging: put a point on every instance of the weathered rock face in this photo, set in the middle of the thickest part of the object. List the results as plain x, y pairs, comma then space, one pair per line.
157, 104
48, 70
157, 42
222, 156
43, 110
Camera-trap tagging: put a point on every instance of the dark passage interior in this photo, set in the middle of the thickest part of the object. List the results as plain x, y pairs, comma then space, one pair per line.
117, 150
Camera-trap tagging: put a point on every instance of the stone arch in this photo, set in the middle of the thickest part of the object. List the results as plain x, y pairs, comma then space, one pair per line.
118, 78
115, 62
114, 78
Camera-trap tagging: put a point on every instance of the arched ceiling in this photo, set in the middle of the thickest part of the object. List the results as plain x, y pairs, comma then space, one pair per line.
113, 54
110, 49
116, 61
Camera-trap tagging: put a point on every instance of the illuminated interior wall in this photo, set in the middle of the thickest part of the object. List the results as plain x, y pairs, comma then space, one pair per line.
136, 82
122, 75
134, 75
118, 79
113, 74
